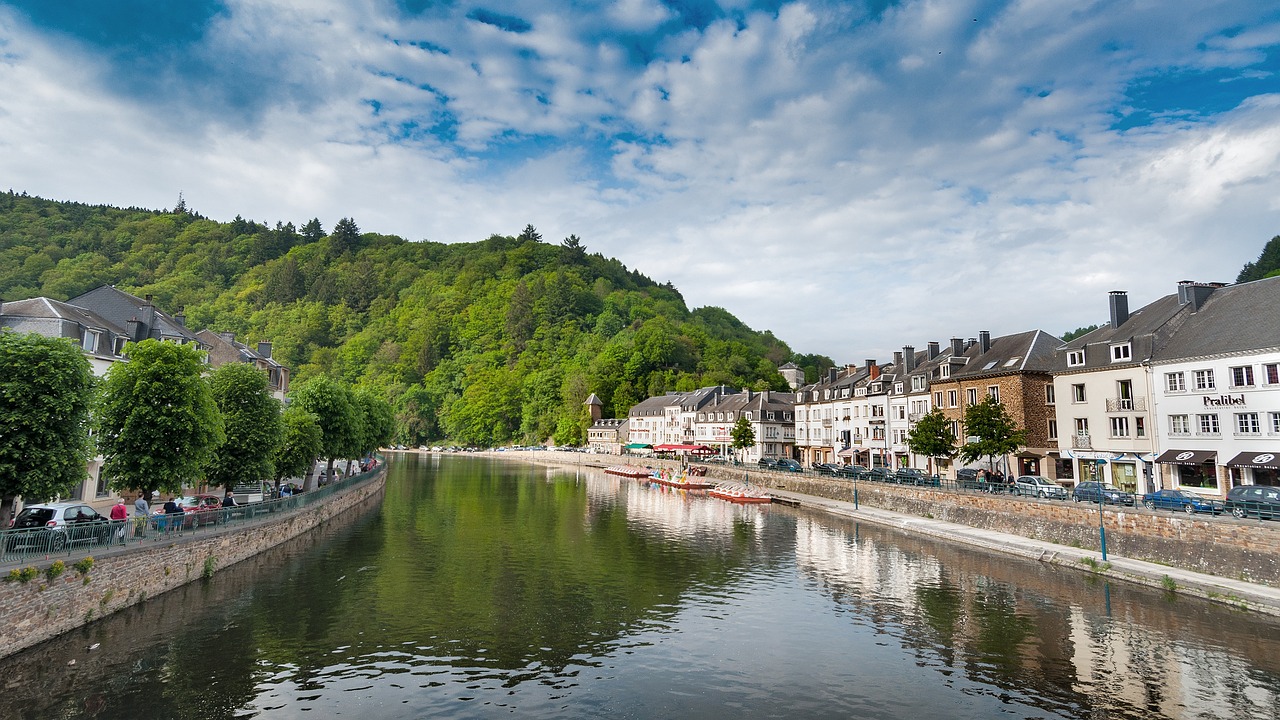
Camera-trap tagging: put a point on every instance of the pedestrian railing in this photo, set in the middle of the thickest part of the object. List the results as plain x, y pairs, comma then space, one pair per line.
86, 538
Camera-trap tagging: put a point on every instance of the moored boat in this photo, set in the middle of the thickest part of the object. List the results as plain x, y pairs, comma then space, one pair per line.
630, 471
739, 495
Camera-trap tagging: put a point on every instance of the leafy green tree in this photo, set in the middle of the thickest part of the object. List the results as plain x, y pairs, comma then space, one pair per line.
158, 424
1267, 264
1073, 334
572, 251
932, 437
742, 435
340, 421
996, 432
301, 442
251, 422
379, 426
46, 387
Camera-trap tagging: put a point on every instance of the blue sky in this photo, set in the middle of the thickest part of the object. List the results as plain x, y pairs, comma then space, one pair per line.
853, 176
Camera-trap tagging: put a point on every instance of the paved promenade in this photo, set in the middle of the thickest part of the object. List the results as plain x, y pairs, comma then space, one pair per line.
1258, 598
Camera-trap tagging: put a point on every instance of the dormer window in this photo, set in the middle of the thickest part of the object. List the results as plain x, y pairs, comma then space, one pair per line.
897, 388
91, 340
1075, 358
1121, 353
945, 371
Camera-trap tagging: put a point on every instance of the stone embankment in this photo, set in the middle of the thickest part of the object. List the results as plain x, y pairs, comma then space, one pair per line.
46, 607
1245, 551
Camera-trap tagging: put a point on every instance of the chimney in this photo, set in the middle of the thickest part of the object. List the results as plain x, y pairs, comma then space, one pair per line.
909, 355
228, 336
934, 350
264, 349
831, 375
984, 339
970, 343
873, 370
765, 396
957, 347
1118, 300
1195, 294
133, 329
897, 360
181, 317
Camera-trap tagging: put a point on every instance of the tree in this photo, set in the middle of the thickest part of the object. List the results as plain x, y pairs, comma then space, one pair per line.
157, 420
46, 387
1073, 334
742, 435
1267, 264
572, 251
379, 425
251, 422
995, 431
313, 230
932, 437
344, 238
530, 234
301, 442
339, 420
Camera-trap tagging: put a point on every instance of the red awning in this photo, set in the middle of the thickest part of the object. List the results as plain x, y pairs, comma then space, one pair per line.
684, 448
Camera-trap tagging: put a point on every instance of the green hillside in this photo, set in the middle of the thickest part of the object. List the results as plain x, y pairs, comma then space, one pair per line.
488, 342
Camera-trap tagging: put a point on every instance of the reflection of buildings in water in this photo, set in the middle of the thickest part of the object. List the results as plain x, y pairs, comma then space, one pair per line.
865, 569
1123, 663
669, 512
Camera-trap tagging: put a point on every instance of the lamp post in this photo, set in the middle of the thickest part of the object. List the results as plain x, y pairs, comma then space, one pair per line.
1102, 529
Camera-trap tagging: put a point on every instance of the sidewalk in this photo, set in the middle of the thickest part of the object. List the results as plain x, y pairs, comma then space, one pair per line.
1245, 596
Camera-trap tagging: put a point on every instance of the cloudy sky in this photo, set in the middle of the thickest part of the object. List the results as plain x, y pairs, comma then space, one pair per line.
854, 176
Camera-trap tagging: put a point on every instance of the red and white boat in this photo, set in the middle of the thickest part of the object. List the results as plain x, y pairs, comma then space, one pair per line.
681, 481
630, 471
739, 495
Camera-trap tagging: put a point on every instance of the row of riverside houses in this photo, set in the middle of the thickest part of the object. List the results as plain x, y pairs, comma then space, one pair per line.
101, 321
1181, 393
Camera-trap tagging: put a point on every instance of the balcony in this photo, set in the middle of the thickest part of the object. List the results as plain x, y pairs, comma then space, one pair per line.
1117, 405
826, 423
915, 417
1081, 442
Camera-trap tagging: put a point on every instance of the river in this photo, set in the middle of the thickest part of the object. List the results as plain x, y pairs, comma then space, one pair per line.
482, 588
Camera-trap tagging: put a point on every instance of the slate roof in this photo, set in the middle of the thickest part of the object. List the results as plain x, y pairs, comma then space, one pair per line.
43, 307
1234, 319
1030, 351
1145, 330
120, 307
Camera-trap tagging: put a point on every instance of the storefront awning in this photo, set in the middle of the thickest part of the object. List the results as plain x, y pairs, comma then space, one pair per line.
684, 448
639, 446
847, 452
1186, 457
1269, 461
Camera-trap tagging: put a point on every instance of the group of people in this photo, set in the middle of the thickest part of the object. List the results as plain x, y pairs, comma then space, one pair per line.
994, 481
142, 515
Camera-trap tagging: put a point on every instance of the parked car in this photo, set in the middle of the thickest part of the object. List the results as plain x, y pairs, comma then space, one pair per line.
767, 462
1038, 486
967, 478
1091, 491
1261, 501
202, 509
851, 471
875, 475
909, 476
825, 468
1187, 502
54, 526
789, 465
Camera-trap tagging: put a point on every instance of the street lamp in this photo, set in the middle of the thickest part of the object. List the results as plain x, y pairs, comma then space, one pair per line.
1102, 529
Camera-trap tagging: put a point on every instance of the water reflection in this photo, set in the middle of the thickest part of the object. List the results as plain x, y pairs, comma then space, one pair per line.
480, 586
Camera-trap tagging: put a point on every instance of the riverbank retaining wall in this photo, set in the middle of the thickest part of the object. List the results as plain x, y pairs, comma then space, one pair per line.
46, 607
1244, 550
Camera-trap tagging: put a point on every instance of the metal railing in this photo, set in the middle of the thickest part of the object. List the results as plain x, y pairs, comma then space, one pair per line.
81, 539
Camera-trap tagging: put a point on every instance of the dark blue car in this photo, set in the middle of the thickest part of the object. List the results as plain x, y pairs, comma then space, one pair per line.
1190, 503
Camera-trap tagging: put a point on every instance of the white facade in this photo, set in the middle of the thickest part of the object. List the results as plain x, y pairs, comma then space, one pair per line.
1105, 415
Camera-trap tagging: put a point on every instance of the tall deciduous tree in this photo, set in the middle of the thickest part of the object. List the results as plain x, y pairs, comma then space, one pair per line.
157, 420
994, 431
742, 435
379, 422
301, 442
932, 437
251, 421
339, 420
45, 390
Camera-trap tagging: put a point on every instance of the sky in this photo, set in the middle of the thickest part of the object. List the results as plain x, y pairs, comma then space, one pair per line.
853, 176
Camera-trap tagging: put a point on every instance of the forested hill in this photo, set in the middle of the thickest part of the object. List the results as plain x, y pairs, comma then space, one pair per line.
484, 342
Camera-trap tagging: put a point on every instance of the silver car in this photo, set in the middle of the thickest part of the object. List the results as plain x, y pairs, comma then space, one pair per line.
1039, 486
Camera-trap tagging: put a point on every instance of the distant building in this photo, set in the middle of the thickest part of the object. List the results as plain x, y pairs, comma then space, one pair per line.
224, 348
793, 375
607, 436
139, 317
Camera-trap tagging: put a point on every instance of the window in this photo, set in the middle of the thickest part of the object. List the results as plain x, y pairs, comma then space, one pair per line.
937, 399
897, 388
844, 392
1179, 425
1271, 373
101, 490
1048, 395
953, 398
1053, 429
1275, 423
993, 392
1082, 427
1208, 424
702, 417
955, 428
1204, 380
91, 340
1121, 353
901, 412
917, 383
1242, 376
1077, 393
1140, 427
769, 415
971, 395
1175, 382
1075, 358
1119, 427
1247, 424
944, 371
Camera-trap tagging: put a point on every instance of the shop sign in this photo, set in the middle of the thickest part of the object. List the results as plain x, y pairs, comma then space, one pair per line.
1224, 400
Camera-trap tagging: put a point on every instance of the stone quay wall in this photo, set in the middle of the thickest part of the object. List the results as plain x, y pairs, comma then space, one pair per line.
1247, 550
42, 608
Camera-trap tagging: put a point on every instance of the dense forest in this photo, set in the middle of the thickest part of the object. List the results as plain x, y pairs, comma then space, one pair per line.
489, 342
1267, 265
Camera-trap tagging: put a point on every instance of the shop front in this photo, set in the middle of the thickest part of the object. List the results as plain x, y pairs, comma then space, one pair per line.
1255, 468
1191, 469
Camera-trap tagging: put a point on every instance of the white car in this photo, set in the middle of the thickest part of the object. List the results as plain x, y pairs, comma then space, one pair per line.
1038, 486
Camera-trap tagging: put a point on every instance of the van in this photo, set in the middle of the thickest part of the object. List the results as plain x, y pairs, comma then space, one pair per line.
251, 493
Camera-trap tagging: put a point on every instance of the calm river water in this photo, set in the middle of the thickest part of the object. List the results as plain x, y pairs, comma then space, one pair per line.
483, 588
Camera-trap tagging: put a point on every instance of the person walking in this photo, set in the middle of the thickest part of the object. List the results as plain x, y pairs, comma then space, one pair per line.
141, 515
119, 516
